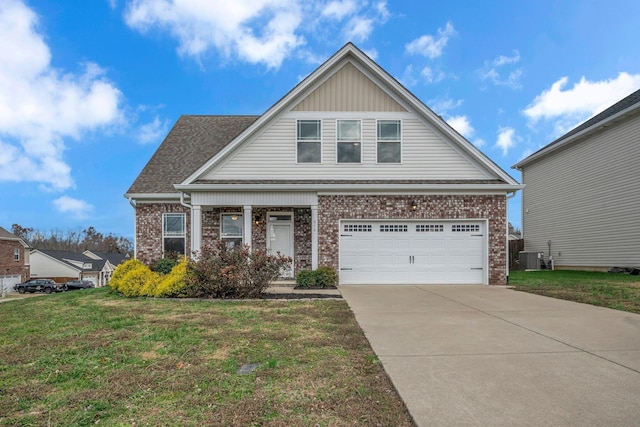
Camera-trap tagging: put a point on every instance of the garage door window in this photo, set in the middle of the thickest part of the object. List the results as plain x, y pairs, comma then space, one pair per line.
465, 228
429, 228
394, 228
358, 228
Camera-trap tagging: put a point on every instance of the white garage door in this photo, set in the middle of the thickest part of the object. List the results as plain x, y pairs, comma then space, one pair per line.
406, 252
8, 281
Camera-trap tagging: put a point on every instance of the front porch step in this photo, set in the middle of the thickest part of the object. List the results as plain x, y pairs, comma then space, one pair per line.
284, 282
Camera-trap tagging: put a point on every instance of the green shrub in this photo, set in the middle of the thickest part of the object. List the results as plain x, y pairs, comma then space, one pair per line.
164, 266
221, 272
323, 277
326, 276
306, 279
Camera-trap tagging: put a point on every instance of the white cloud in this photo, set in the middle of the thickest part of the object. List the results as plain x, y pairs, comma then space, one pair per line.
359, 28
462, 125
567, 108
506, 139
76, 207
408, 78
431, 46
153, 131
431, 76
257, 31
495, 71
442, 105
339, 9
41, 106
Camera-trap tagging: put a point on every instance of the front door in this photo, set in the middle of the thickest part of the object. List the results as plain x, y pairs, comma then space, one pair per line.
280, 237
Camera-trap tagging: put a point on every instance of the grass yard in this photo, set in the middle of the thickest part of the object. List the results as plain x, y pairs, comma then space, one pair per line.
612, 290
95, 358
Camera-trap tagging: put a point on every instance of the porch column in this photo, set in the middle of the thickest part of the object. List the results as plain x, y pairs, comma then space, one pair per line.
314, 237
196, 228
246, 230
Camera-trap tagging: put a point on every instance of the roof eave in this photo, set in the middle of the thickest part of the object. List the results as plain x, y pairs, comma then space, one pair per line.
551, 147
507, 187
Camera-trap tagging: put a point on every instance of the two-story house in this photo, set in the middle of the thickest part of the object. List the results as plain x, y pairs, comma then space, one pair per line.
349, 169
14, 260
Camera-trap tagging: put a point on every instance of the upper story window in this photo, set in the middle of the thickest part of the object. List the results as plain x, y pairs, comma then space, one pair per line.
231, 225
389, 141
309, 139
349, 136
16, 254
173, 233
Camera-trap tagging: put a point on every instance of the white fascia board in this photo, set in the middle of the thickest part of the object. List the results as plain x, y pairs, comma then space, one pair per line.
593, 128
351, 188
153, 197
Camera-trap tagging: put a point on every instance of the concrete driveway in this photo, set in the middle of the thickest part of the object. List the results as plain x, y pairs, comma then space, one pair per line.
491, 356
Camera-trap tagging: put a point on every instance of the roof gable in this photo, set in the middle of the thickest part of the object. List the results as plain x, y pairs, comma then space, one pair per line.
348, 89
387, 88
7, 235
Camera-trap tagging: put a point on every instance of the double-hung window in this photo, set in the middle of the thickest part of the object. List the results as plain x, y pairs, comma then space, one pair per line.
231, 225
16, 254
173, 233
389, 141
309, 137
349, 135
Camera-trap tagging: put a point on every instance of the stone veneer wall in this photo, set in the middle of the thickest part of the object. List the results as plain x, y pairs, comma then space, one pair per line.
7, 264
149, 229
494, 208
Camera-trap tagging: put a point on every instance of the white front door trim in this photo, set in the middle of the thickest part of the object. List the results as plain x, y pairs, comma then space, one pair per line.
277, 221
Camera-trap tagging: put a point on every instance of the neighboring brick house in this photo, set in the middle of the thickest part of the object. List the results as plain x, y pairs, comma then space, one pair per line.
349, 169
14, 260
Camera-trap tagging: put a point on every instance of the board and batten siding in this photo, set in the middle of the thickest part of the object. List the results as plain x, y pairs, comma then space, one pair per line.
348, 90
585, 199
272, 154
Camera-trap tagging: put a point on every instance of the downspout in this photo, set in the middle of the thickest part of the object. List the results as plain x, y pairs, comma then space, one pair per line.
135, 243
510, 195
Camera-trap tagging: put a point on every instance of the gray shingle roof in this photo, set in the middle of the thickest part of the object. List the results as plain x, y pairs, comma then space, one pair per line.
192, 141
63, 256
4, 234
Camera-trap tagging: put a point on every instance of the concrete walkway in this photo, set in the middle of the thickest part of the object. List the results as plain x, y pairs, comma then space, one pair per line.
491, 356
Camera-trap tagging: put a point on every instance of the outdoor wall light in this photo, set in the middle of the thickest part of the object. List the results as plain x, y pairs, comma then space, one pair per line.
414, 205
234, 217
256, 220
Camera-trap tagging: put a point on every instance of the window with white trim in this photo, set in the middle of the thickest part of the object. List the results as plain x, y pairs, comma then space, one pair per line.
309, 141
349, 140
389, 134
16, 254
173, 233
231, 226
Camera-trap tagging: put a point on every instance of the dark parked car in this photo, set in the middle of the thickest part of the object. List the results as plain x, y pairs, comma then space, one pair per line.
78, 284
39, 285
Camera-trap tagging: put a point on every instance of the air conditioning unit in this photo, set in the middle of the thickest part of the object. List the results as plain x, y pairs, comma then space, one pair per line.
530, 260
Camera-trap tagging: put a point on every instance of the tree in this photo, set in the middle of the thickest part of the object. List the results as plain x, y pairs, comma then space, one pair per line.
73, 241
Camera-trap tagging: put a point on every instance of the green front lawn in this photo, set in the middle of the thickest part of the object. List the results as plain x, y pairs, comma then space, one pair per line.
612, 290
94, 358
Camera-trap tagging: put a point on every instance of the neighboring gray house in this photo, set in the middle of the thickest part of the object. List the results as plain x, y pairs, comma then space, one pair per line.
582, 192
349, 169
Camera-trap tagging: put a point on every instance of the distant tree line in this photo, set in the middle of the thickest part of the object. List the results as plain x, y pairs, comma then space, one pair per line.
74, 241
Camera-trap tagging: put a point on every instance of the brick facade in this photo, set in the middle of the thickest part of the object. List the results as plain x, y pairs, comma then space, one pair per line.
494, 208
149, 229
330, 210
10, 267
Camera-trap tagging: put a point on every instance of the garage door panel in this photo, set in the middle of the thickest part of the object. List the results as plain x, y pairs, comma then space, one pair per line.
437, 252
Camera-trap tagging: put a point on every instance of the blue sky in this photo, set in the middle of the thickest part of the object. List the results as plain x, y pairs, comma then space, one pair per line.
88, 89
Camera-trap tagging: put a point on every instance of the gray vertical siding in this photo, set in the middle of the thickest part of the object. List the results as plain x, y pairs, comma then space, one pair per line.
585, 199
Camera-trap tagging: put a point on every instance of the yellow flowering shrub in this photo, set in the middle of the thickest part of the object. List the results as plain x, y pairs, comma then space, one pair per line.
117, 279
173, 284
